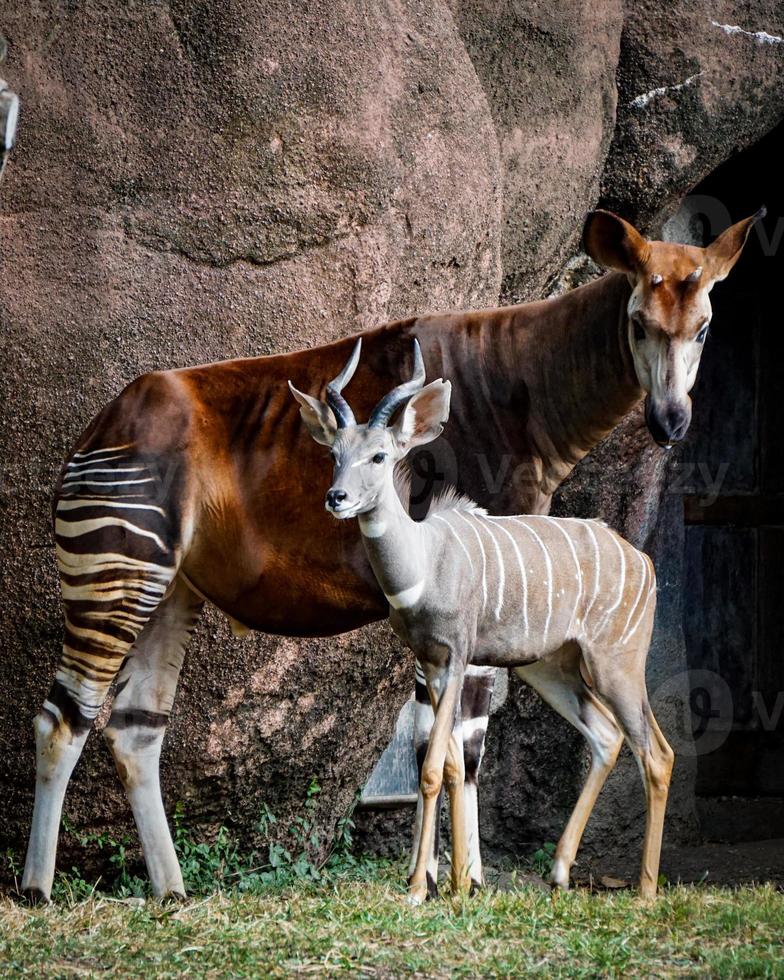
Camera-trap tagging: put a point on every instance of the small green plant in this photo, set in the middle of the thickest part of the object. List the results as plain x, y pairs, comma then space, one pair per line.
543, 859
291, 856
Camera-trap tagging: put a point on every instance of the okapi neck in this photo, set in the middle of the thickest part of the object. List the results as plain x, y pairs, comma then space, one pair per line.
584, 382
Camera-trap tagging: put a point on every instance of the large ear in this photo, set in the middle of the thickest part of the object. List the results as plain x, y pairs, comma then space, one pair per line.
317, 416
424, 416
613, 243
721, 255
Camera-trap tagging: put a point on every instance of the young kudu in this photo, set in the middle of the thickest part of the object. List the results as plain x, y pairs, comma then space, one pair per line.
568, 603
182, 489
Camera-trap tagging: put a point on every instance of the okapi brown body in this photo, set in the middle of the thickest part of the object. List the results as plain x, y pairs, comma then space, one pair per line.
182, 489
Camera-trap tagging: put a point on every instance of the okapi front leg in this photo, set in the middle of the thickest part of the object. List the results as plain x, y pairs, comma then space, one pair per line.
474, 708
145, 694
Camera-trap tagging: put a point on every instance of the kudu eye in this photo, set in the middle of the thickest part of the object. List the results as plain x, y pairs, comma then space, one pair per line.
379, 457
700, 338
637, 328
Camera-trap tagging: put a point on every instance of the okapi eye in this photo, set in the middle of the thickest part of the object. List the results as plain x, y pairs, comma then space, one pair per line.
700, 338
379, 457
638, 328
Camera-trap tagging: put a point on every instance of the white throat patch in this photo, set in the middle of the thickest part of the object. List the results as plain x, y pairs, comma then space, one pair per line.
372, 529
408, 597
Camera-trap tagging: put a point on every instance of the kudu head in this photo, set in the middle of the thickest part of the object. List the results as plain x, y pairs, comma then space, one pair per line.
364, 456
669, 309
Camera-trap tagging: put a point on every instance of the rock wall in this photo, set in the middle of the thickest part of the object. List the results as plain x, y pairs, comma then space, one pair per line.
239, 177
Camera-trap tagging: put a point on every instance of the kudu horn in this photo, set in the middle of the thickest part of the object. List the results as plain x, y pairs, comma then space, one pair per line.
340, 407
385, 409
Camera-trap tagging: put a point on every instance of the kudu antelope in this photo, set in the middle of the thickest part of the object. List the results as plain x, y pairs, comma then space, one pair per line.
568, 603
181, 489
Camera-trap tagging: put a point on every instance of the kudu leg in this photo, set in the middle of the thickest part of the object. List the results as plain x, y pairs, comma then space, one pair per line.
134, 733
560, 684
431, 782
424, 718
625, 694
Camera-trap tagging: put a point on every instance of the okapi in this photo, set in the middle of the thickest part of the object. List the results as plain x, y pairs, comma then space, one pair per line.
558, 600
232, 521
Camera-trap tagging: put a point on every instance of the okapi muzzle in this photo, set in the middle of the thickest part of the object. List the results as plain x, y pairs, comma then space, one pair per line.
669, 310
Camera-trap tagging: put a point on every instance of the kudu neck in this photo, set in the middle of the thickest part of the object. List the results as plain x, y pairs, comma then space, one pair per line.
394, 544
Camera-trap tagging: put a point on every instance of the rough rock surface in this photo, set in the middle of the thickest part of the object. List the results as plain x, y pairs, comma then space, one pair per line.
549, 74
194, 182
696, 83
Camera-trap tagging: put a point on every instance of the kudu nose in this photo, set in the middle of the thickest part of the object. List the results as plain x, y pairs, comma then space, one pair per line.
335, 498
667, 423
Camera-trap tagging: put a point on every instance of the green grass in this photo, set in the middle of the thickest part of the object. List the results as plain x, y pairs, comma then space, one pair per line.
341, 926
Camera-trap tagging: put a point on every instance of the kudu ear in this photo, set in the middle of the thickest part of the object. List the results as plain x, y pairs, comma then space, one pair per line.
721, 255
613, 243
424, 416
317, 416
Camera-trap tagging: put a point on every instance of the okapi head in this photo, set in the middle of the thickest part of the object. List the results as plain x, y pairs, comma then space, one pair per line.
669, 309
364, 456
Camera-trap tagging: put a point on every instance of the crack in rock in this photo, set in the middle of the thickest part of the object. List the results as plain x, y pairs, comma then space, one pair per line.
642, 100
759, 37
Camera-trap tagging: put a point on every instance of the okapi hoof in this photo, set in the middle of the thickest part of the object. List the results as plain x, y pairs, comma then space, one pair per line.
172, 898
476, 887
34, 896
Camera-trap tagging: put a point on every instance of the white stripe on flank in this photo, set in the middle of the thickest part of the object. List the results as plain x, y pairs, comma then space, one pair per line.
107, 483
108, 469
598, 566
651, 592
418, 672
484, 558
502, 574
74, 563
622, 576
406, 598
91, 462
75, 529
633, 606
579, 576
459, 540
106, 449
549, 568
100, 502
523, 576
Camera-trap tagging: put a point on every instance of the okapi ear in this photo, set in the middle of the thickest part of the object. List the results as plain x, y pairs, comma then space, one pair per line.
613, 243
424, 416
721, 255
317, 416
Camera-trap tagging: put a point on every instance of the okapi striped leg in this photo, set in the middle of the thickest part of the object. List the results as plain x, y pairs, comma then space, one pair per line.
475, 707
145, 694
116, 552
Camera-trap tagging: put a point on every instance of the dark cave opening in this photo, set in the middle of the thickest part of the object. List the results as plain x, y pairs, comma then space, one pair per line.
733, 477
